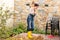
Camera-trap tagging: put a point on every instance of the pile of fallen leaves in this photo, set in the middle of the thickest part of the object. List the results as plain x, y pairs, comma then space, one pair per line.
23, 36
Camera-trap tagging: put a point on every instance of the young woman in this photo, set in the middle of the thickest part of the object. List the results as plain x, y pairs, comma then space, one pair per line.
30, 19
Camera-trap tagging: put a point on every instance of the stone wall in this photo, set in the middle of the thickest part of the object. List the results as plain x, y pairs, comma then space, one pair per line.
47, 9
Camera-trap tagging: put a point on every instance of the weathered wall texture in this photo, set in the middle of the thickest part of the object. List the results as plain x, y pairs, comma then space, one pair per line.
44, 13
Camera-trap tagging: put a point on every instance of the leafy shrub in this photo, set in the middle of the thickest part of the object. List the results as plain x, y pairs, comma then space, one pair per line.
6, 32
38, 31
19, 29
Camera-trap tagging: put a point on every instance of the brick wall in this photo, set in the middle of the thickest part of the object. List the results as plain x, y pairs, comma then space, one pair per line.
47, 9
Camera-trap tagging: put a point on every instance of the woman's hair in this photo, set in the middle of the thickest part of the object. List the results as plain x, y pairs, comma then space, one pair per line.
36, 5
